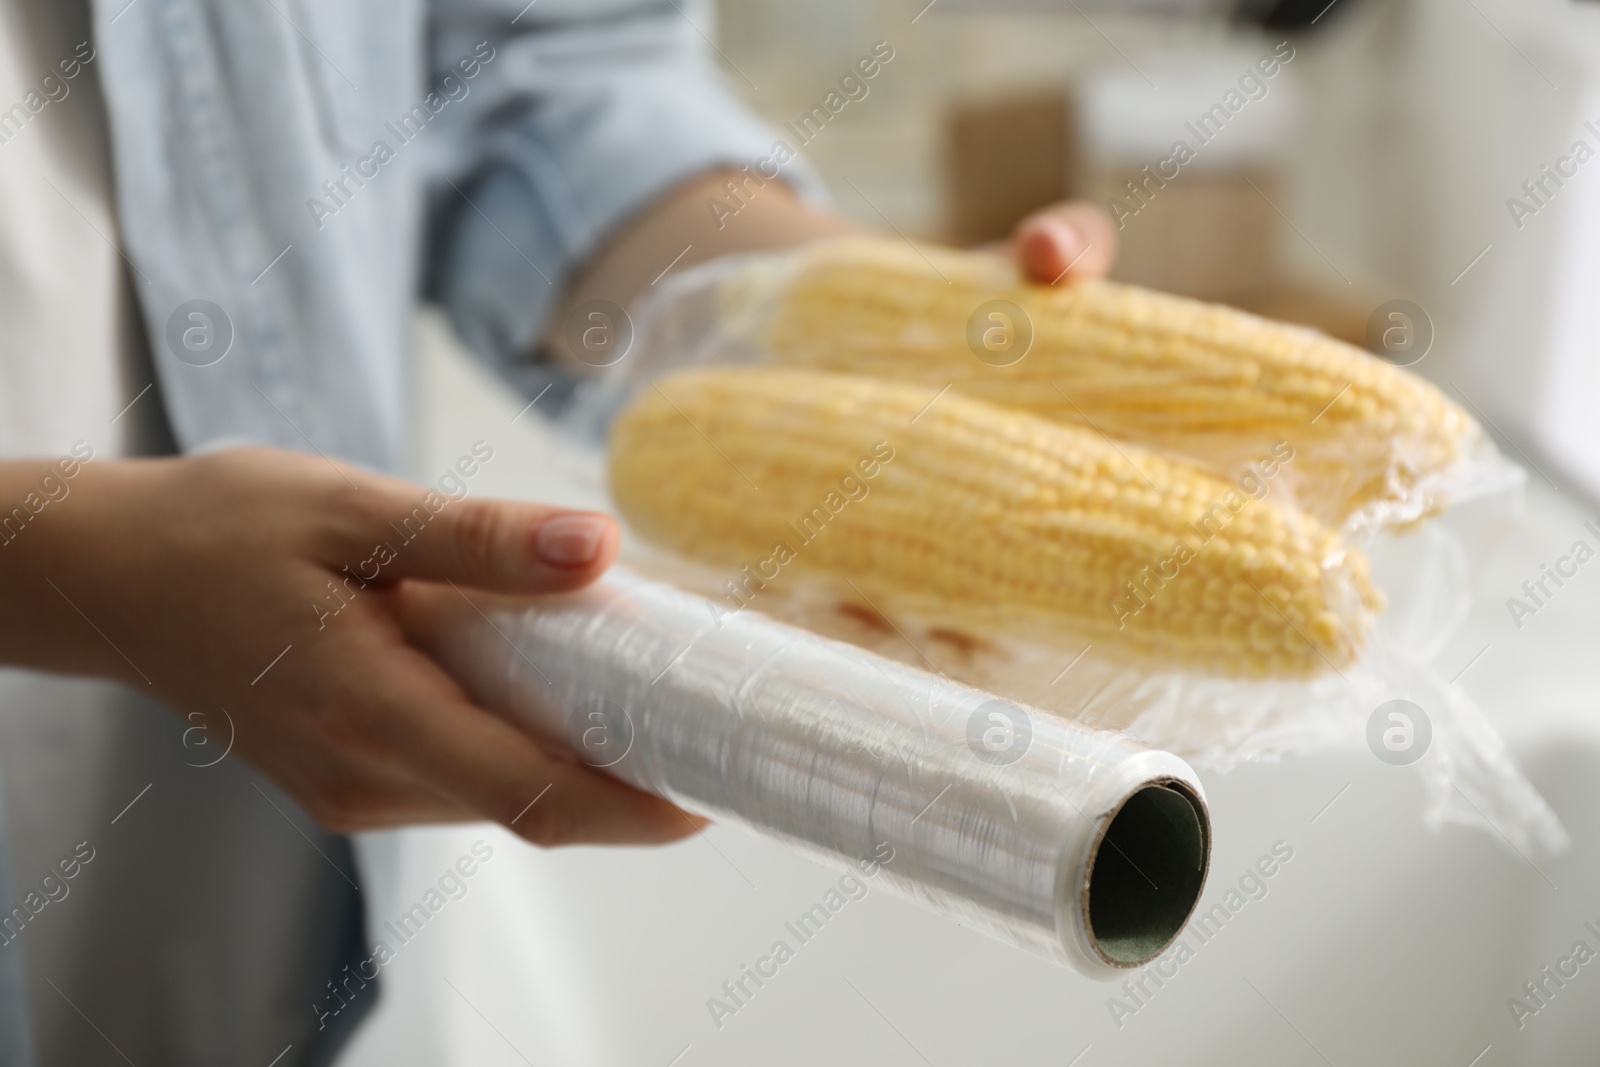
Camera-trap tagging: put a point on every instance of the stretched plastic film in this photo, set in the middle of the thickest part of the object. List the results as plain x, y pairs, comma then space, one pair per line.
1080, 845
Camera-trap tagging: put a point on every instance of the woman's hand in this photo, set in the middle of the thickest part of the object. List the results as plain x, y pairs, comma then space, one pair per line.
270, 583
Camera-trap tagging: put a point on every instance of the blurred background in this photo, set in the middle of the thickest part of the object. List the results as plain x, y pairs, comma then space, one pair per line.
1377, 165
1384, 158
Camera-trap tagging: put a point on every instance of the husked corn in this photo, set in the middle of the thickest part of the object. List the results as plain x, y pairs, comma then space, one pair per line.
1209, 382
989, 520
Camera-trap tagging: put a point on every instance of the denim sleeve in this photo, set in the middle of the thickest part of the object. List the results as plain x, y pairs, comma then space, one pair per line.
578, 115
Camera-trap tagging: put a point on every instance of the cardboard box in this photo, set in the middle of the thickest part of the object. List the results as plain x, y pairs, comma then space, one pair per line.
1205, 233
1209, 234
1006, 158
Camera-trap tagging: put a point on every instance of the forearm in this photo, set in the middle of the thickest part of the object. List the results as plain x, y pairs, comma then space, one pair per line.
47, 560
755, 216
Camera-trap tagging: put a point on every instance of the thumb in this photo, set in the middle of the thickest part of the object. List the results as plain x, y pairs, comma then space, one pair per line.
1069, 240
504, 545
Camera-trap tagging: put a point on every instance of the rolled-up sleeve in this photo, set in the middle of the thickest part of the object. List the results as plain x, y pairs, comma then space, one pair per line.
576, 116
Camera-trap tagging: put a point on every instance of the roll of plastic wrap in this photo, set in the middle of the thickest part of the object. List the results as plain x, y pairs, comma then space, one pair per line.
1083, 846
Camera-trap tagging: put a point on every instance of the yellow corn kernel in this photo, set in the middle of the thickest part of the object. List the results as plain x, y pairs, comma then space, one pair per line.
980, 519
1208, 382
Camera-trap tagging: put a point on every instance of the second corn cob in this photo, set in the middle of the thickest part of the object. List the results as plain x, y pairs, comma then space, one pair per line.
1202, 380
983, 518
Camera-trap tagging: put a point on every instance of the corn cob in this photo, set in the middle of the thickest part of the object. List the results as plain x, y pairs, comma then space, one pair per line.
1204, 381
981, 518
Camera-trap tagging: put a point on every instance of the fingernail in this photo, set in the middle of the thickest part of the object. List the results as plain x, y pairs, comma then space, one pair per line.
569, 540
1067, 238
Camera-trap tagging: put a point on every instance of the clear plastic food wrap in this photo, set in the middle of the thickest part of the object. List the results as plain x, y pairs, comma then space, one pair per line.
1139, 512
1080, 845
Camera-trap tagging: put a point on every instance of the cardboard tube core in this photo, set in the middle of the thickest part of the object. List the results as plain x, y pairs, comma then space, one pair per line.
1146, 872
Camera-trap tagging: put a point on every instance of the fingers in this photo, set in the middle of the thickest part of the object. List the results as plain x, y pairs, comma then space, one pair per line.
414, 716
346, 794
1066, 241
503, 545
491, 767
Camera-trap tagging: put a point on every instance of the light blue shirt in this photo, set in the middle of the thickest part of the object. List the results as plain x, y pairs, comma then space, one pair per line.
312, 167
292, 176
